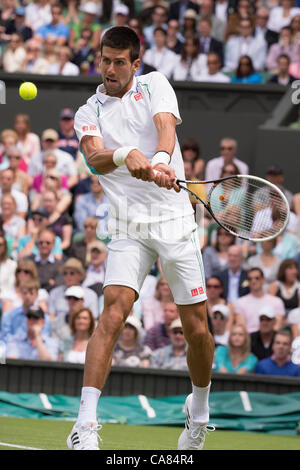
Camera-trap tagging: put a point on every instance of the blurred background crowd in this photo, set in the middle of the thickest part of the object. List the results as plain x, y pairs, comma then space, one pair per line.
54, 214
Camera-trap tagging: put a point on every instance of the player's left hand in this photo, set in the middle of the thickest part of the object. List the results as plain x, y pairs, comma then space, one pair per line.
165, 177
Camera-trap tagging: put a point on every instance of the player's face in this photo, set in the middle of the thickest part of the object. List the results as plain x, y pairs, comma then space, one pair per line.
117, 70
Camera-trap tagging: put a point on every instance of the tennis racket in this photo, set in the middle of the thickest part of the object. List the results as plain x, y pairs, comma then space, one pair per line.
247, 206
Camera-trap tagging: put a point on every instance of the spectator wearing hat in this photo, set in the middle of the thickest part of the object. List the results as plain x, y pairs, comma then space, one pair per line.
49, 268
219, 320
93, 203
18, 25
262, 339
180, 7
279, 363
159, 20
172, 356
65, 164
95, 272
74, 274
129, 350
32, 343
67, 138
88, 19
159, 334
82, 325
55, 28
189, 26
61, 324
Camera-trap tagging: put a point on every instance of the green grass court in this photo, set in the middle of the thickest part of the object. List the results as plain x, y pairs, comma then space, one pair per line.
51, 435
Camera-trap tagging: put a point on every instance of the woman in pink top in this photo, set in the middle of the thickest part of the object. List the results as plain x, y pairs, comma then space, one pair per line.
152, 308
29, 142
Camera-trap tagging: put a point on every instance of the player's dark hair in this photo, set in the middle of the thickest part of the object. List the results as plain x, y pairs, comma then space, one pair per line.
122, 37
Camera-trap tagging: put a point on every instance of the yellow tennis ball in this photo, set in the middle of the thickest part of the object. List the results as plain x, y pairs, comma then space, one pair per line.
28, 91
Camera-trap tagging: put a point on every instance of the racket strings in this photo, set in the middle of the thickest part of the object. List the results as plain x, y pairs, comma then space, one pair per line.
248, 207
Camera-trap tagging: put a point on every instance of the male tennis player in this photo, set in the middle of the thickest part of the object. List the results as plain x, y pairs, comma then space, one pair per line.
126, 130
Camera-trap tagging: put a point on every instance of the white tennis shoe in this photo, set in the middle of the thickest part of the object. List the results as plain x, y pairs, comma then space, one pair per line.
193, 436
84, 436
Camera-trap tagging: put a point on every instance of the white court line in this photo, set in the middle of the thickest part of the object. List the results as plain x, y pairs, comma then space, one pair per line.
246, 401
18, 447
146, 406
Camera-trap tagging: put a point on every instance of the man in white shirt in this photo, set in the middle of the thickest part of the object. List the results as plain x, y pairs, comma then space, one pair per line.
6, 183
245, 44
127, 132
228, 150
213, 73
159, 56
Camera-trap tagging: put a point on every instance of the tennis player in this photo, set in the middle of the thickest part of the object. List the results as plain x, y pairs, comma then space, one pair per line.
126, 131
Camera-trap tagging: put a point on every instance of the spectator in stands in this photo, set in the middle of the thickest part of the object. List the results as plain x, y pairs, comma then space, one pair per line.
294, 68
245, 72
287, 285
145, 15
221, 10
8, 138
153, 307
61, 324
295, 28
21, 180
49, 163
137, 25
283, 46
38, 13
234, 277
34, 62
217, 26
64, 66
67, 138
261, 27
236, 357
33, 343
81, 249
7, 268
73, 349
208, 43
82, 51
215, 258
262, 339
198, 190
190, 64
244, 9
281, 16
28, 141
159, 334
17, 25
213, 72
159, 20
56, 27
28, 235
219, 321
50, 49
191, 151
7, 12
179, 8
159, 56
14, 320
174, 39
49, 268
74, 274
275, 175
95, 271
64, 164
266, 260
189, 26
94, 203
280, 362
228, 151
11, 221
283, 75
129, 350
174, 355
6, 188
247, 307
245, 45
294, 322
52, 181
14, 54
215, 296
144, 67
89, 20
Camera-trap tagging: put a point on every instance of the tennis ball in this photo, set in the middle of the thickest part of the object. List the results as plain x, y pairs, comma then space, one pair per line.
28, 91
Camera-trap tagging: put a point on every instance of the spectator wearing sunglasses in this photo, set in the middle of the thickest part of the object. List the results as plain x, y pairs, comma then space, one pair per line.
245, 72
21, 180
172, 356
34, 62
228, 152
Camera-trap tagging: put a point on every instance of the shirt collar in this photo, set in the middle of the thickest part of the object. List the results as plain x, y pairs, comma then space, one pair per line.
50, 259
102, 96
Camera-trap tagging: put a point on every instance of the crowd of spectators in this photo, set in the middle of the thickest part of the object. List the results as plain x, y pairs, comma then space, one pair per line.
54, 214
242, 41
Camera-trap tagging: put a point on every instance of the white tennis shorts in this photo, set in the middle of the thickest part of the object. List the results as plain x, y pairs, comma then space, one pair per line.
130, 259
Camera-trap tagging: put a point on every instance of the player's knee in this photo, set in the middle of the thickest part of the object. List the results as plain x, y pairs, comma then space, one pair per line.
197, 334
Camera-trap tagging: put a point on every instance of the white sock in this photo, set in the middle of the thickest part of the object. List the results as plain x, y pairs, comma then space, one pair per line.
88, 404
200, 407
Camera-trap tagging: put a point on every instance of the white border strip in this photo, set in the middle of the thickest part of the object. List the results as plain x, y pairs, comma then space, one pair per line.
5, 444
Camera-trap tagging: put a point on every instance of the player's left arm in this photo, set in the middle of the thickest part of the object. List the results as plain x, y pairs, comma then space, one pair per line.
165, 124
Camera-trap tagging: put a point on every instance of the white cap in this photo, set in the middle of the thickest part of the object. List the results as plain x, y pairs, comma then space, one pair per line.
75, 291
135, 322
267, 311
90, 7
221, 308
121, 10
176, 324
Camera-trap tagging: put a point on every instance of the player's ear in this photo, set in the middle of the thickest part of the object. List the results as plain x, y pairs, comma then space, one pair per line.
136, 64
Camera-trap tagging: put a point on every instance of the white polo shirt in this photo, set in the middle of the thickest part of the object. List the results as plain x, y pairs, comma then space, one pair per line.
128, 121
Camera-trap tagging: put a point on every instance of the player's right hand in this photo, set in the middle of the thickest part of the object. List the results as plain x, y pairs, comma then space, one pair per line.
138, 166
